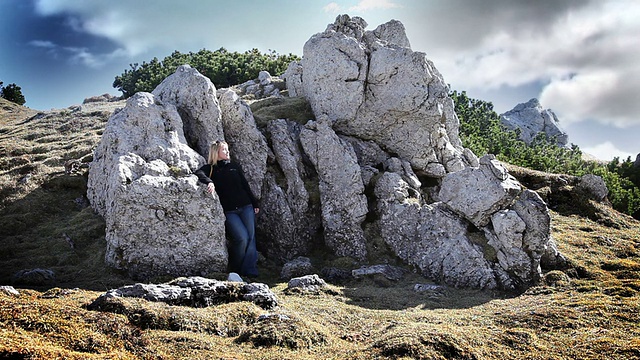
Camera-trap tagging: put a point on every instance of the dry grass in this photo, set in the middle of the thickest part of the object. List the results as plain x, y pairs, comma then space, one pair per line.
590, 311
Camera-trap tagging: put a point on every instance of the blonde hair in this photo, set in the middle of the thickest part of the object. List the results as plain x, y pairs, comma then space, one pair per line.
213, 151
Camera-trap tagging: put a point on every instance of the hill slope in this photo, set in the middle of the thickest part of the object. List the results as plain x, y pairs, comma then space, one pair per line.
589, 311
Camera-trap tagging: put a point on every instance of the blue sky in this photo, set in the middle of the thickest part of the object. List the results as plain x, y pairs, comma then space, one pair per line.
578, 57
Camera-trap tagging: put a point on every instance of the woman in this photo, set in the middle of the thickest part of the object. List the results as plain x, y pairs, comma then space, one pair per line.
239, 205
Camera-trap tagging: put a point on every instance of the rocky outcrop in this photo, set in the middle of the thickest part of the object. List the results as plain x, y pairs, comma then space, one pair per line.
194, 96
376, 88
262, 87
140, 181
192, 291
485, 232
531, 119
477, 193
377, 170
290, 220
344, 205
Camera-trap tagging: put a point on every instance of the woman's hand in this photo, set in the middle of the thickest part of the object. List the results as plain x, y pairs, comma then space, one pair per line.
210, 188
256, 210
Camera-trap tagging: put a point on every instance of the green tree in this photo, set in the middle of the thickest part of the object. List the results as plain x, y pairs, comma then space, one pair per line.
222, 67
13, 93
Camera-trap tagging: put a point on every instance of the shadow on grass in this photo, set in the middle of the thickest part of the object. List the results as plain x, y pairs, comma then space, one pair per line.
53, 228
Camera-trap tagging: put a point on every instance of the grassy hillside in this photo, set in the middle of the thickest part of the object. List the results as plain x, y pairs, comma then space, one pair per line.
590, 311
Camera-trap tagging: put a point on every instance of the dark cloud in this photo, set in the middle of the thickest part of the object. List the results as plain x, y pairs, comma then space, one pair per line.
460, 24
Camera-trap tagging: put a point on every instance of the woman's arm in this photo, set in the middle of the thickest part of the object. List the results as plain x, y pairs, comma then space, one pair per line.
203, 174
204, 178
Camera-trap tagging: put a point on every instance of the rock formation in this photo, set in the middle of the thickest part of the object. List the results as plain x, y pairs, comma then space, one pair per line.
193, 291
379, 163
155, 211
531, 119
371, 85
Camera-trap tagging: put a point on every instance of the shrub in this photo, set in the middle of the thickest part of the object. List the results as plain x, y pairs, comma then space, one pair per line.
222, 67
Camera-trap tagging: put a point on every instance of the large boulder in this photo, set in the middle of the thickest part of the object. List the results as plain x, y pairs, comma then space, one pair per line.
289, 221
194, 96
531, 119
371, 85
140, 181
344, 205
432, 238
503, 251
477, 193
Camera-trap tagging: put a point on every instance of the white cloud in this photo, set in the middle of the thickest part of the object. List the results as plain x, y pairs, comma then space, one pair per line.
365, 5
607, 151
333, 8
362, 6
43, 44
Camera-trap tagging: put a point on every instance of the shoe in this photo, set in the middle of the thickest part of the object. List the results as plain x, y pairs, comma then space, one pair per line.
234, 277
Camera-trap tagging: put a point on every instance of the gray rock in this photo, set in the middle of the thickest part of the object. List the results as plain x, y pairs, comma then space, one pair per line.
431, 291
293, 79
333, 274
193, 291
505, 236
140, 182
194, 96
170, 294
391, 33
297, 267
594, 185
260, 295
428, 287
531, 119
537, 235
34, 277
430, 237
403, 168
311, 283
477, 193
376, 88
344, 205
264, 86
390, 272
552, 259
368, 152
289, 221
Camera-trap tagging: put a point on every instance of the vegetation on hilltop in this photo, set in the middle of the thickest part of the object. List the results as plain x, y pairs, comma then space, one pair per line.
13, 93
482, 132
222, 67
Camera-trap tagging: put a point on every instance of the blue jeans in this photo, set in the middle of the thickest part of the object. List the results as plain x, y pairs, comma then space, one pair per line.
243, 255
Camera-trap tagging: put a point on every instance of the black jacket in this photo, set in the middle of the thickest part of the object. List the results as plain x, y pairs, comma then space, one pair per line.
231, 185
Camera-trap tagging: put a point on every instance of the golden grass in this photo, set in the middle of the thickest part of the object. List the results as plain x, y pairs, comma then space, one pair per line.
589, 311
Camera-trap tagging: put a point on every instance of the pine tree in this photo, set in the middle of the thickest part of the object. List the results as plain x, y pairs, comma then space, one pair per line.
13, 93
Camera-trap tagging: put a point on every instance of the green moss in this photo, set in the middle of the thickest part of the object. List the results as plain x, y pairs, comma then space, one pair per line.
292, 108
